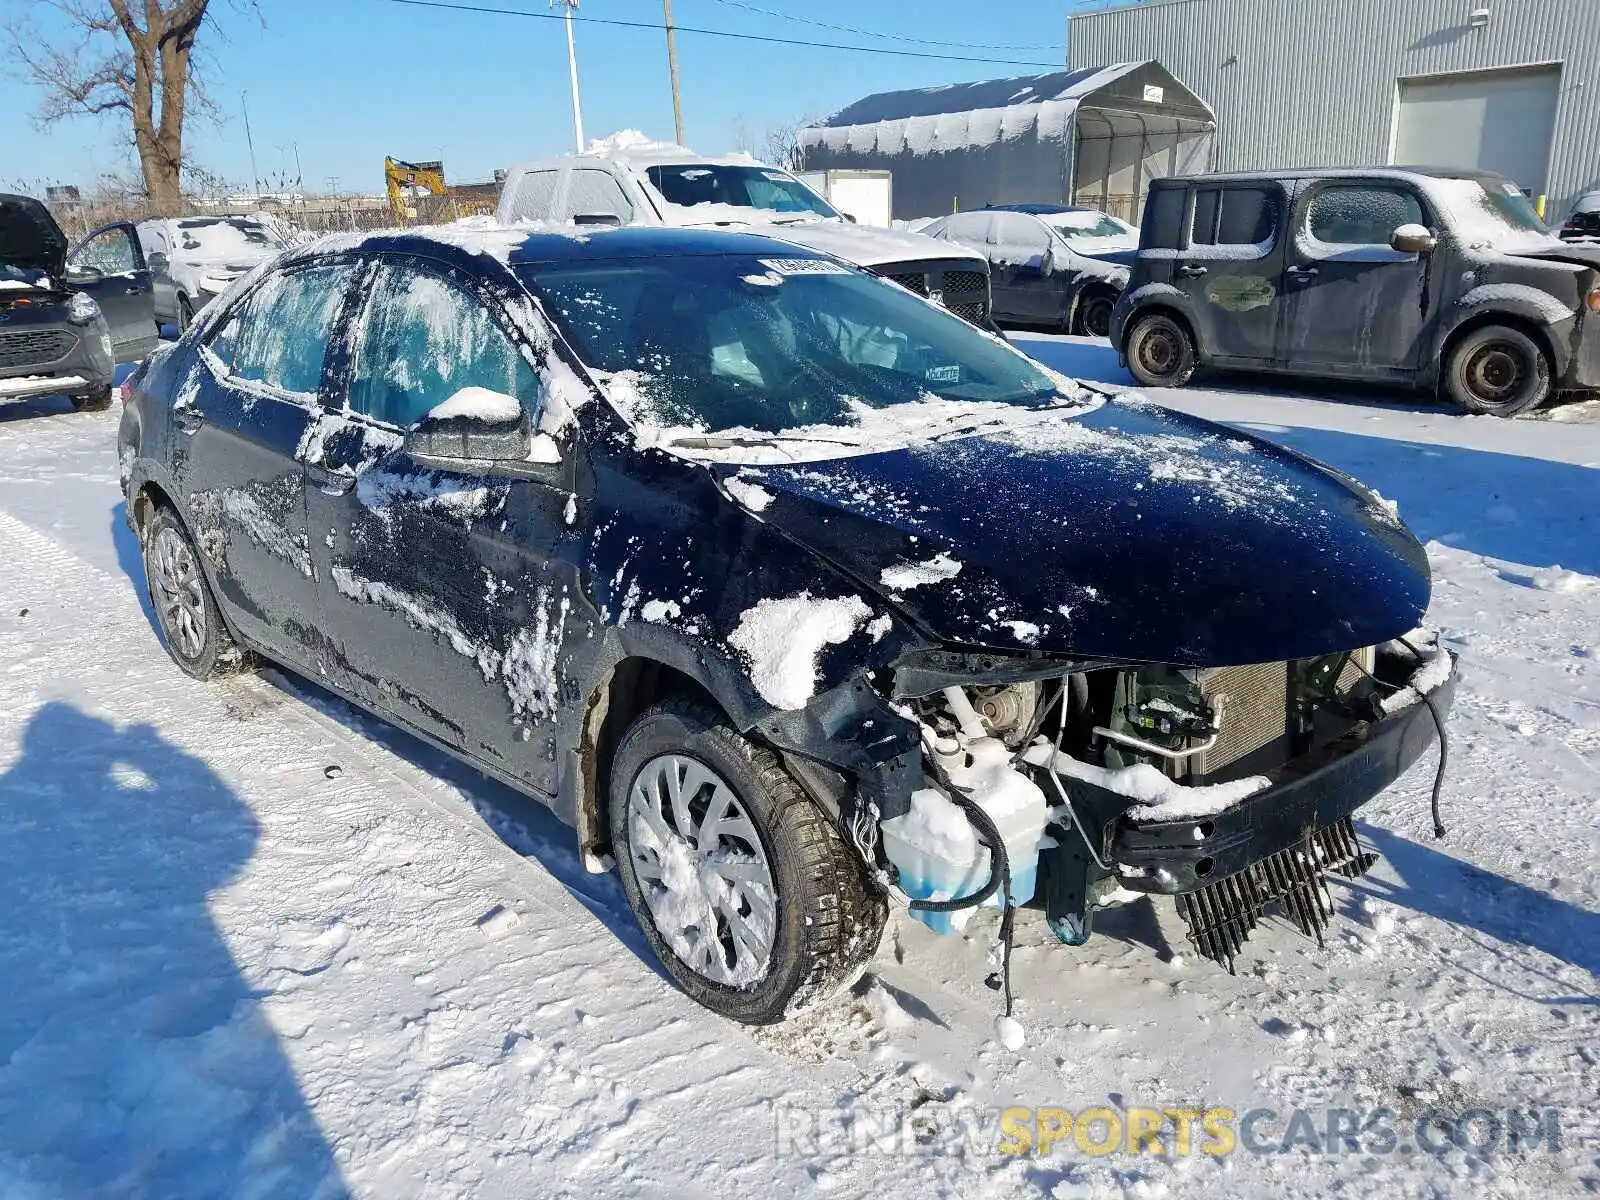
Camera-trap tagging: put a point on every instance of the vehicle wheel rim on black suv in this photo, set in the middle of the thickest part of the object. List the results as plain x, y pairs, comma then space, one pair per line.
1097, 318
179, 594
1158, 351
702, 870
1495, 373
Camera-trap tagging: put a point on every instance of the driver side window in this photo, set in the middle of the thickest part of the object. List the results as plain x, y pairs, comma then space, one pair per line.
110, 252
422, 338
1361, 215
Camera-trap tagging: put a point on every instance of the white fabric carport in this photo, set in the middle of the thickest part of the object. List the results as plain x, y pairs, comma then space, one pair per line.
1094, 137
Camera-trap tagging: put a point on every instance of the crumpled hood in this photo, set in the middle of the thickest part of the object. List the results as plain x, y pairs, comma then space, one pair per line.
30, 237
868, 247
1585, 254
1127, 533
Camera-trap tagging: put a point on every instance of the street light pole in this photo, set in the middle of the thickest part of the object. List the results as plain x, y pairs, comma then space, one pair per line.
672, 68
572, 68
255, 176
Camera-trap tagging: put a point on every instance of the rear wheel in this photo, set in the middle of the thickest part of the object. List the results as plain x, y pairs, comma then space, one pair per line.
1497, 371
743, 887
186, 611
97, 401
185, 312
1094, 316
1161, 352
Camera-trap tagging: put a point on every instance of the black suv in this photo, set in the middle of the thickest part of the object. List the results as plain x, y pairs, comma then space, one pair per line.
688, 534
1435, 279
66, 320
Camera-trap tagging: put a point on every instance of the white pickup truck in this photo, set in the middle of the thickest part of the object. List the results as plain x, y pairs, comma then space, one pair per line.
632, 181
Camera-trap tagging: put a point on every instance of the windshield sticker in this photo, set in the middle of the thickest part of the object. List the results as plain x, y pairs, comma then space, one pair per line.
803, 266
950, 374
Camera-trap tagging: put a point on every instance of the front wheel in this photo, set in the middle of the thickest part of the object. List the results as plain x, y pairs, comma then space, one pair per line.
1094, 318
96, 401
186, 611
1497, 371
185, 313
1161, 352
742, 885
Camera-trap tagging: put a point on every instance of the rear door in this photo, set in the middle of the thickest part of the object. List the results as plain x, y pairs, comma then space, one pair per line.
109, 265
243, 419
1353, 305
1232, 268
444, 596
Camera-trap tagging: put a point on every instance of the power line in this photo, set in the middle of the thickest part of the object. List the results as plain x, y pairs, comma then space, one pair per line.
893, 37
657, 27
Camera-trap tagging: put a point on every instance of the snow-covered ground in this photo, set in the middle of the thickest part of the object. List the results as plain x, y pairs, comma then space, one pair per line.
256, 944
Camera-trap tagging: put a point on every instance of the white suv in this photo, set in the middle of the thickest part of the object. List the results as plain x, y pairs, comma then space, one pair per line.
636, 182
193, 260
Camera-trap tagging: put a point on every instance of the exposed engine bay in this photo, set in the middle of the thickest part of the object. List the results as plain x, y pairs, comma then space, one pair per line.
1229, 789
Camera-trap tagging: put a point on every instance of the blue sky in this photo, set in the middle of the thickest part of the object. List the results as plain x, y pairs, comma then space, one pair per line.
353, 80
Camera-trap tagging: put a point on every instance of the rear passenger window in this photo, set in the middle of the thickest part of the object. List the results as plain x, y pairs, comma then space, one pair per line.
535, 198
422, 339
1163, 219
595, 193
1235, 217
1361, 214
279, 335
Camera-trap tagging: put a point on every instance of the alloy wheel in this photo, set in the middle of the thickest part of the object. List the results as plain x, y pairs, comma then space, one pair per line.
178, 592
702, 870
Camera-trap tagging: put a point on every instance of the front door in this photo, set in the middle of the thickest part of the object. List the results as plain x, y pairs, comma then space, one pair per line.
445, 599
1232, 269
110, 266
241, 422
1020, 263
1353, 305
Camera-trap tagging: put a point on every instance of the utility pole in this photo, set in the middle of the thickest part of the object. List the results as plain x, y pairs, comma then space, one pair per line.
572, 68
672, 67
255, 176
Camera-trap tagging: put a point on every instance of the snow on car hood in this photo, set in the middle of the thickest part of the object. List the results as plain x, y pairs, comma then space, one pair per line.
1126, 533
859, 244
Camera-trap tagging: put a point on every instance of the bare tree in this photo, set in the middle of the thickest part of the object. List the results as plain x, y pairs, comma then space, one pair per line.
117, 59
780, 145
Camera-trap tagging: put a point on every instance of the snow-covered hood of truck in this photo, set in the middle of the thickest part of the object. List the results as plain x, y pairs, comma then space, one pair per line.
1126, 533
859, 244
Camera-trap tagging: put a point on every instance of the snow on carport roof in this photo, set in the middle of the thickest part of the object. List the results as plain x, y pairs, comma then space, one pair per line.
983, 93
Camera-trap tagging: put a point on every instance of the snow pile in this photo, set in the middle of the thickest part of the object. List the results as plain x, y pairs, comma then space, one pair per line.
631, 142
1159, 798
782, 639
478, 404
904, 576
752, 495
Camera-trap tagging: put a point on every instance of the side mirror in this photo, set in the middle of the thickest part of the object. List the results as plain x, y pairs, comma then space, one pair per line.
609, 220
158, 261
848, 217
474, 425
1413, 239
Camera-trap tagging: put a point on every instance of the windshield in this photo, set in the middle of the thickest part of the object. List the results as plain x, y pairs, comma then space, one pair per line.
214, 237
756, 348
1089, 226
1490, 212
691, 184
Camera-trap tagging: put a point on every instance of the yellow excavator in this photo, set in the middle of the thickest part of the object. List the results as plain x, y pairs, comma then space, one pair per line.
400, 178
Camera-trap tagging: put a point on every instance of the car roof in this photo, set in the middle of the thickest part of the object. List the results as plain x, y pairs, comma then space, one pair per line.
552, 243
1038, 210
1390, 172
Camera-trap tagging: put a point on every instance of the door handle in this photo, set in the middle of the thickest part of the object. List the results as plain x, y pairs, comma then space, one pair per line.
132, 291
1191, 272
1301, 274
329, 483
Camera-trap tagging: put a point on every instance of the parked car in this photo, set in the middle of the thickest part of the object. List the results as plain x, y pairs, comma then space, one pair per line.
1584, 219
1049, 264
632, 181
685, 534
66, 320
194, 259
1434, 279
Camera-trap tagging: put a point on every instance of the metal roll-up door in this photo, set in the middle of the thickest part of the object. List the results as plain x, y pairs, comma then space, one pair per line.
1491, 120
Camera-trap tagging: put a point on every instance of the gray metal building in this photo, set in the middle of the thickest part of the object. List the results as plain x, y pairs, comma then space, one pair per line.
1509, 85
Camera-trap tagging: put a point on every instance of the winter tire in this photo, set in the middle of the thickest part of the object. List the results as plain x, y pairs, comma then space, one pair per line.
186, 611
1094, 318
1160, 352
185, 313
95, 401
742, 885
1497, 371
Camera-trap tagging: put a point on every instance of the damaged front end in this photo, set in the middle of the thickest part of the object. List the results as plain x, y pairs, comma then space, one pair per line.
1231, 789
